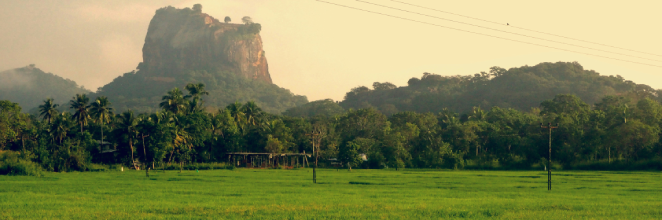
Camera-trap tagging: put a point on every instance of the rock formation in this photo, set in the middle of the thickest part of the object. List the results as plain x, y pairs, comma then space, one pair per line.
181, 40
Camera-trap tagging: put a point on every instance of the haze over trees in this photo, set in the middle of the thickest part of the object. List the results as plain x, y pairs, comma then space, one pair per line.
29, 86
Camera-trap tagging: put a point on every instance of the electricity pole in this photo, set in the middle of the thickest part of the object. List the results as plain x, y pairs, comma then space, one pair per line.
549, 162
314, 135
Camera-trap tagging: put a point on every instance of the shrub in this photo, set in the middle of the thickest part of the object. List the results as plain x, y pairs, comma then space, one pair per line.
12, 164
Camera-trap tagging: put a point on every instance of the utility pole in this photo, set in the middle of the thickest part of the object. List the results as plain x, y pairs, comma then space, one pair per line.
549, 162
313, 135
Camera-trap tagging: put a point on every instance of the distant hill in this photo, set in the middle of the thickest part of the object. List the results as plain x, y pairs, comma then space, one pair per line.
187, 46
519, 88
29, 86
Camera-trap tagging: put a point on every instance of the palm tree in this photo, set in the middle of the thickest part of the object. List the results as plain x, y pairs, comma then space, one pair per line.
194, 106
195, 91
101, 111
181, 140
236, 112
48, 110
145, 127
82, 113
127, 128
60, 126
174, 101
252, 112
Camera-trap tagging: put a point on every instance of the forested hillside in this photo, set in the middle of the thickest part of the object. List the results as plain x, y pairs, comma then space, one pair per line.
519, 88
134, 91
29, 86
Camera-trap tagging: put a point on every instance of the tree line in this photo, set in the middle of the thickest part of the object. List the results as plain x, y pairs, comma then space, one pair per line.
617, 129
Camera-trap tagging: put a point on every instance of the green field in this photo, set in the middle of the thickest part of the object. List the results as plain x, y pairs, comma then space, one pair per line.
361, 194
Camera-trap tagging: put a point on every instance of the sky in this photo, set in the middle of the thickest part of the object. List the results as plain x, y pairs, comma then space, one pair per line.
322, 51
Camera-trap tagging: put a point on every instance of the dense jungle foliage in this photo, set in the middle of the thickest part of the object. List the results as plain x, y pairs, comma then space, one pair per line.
616, 130
519, 88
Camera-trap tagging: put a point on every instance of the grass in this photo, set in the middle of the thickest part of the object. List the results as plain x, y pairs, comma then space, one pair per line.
360, 194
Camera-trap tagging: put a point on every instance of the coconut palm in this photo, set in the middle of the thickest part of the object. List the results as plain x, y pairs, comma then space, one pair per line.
194, 106
252, 112
101, 111
195, 91
144, 128
173, 101
236, 112
79, 104
127, 129
60, 126
48, 110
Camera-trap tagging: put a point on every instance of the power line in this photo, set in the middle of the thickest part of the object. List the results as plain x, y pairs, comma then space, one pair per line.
540, 32
494, 29
503, 38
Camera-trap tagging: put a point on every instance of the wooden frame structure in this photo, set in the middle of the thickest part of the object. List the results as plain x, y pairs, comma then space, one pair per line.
268, 160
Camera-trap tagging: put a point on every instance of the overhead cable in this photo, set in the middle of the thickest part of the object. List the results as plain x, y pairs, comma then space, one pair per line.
526, 29
493, 36
494, 29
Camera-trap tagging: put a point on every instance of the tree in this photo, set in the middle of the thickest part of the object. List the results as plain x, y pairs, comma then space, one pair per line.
173, 101
236, 112
273, 145
247, 20
48, 110
252, 113
227, 19
383, 86
101, 112
564, 103
197, 8
635, 136
349, 154
144, 128
81, 108
127, 129
195, 91
60, 126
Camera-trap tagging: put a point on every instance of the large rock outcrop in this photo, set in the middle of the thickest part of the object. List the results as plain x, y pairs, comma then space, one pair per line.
181, 40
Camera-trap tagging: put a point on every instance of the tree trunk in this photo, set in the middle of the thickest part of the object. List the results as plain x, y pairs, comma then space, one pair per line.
102, 132
132, 159
145, 157
349, 166
181, 166
170, 160
609, 152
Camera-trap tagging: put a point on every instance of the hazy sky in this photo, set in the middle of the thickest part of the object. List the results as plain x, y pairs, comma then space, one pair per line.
322, 51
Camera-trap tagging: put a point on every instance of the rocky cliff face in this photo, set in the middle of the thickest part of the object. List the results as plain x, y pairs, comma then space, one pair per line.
181, 40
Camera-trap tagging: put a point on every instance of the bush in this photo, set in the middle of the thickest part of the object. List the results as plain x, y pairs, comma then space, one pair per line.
12, 164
